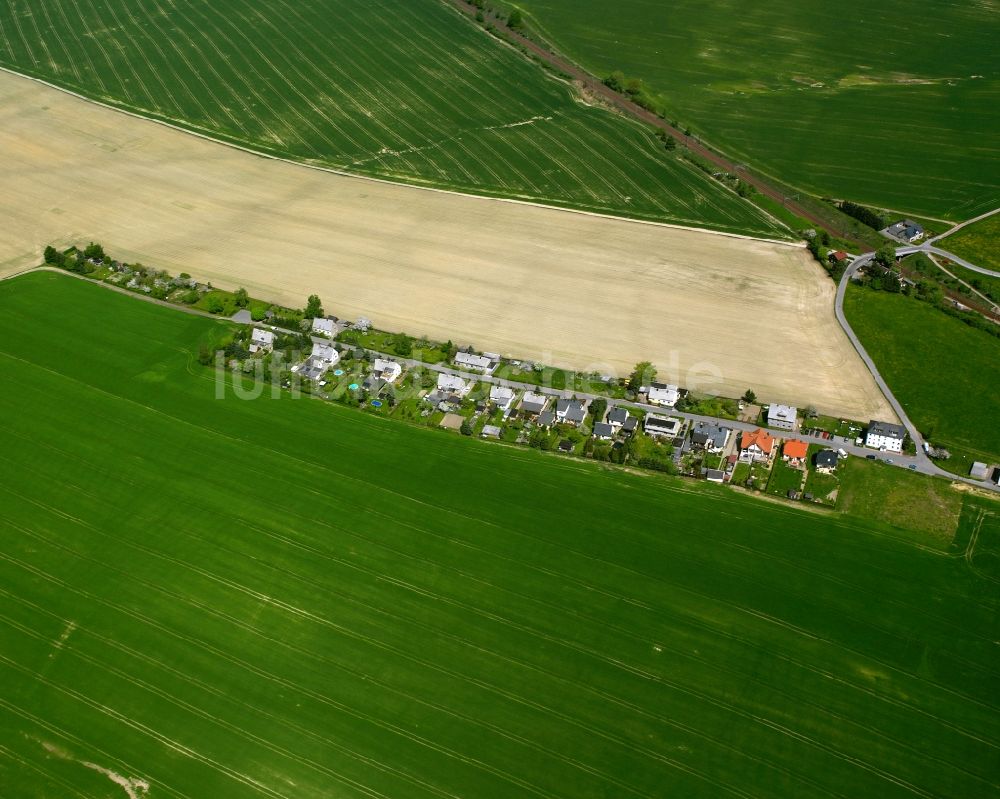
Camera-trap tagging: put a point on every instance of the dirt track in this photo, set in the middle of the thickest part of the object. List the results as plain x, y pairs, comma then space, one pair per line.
712, 312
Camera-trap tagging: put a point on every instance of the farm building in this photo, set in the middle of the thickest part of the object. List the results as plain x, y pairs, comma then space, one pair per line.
906, 230
979, 471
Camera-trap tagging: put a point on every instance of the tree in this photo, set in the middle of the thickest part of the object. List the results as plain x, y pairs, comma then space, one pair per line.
314, 307
241, 298
750, 397
466, 428
616, 81
643, 374
886, 255
402, 345
811, 412
214, 304
515, 20
204, 355
670, 143
94, 251
597, 409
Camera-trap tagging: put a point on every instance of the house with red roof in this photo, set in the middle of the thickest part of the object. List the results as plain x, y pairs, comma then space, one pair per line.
756, 445
794, 452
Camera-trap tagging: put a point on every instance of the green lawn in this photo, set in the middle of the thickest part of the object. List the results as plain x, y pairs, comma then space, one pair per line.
408, 91
942, 370
783, 478
891, 105
889, 493
227, 597
979, 244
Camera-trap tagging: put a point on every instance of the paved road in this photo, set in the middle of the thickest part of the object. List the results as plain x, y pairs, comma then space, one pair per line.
928, 247
920, 461
923, 463
961, 225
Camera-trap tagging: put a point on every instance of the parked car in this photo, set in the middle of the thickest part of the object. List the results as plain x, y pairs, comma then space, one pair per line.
870, 457
913, 466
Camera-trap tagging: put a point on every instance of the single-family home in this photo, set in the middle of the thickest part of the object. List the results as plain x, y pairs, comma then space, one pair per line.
532, 404
756, 445
668, 426
782, 417
979, 471
662, 394
571, 411
906, 230
323, 356
386, 370
502, 397
794, 452
885, 435
710, 437
546, 419
261, 340
826, 460
617, 417
324, 326
837, 257
480, 363
491, 431
603, 431
450, 384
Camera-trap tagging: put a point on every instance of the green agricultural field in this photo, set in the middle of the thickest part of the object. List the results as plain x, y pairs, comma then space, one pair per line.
287, 598
893, 105
978, 243
940, 369
408, 91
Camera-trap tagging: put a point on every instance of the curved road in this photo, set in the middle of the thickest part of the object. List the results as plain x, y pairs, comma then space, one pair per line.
923, 463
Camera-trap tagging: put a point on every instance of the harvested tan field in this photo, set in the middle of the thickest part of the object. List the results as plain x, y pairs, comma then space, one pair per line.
713, 312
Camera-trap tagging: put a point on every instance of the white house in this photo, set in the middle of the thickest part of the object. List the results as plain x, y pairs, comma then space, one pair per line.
883, 435
453, 385
663, 394
782, 417
481, 363
502, 397
324, 327
389, 371
325, 352
261, 340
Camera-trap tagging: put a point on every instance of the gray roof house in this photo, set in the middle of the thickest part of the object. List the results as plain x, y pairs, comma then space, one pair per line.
618, 416
603, 431
826, 460
573, 411
533, 403
711, 437
546, 419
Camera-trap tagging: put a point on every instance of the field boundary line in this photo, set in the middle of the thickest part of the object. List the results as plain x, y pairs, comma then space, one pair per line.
343, 173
